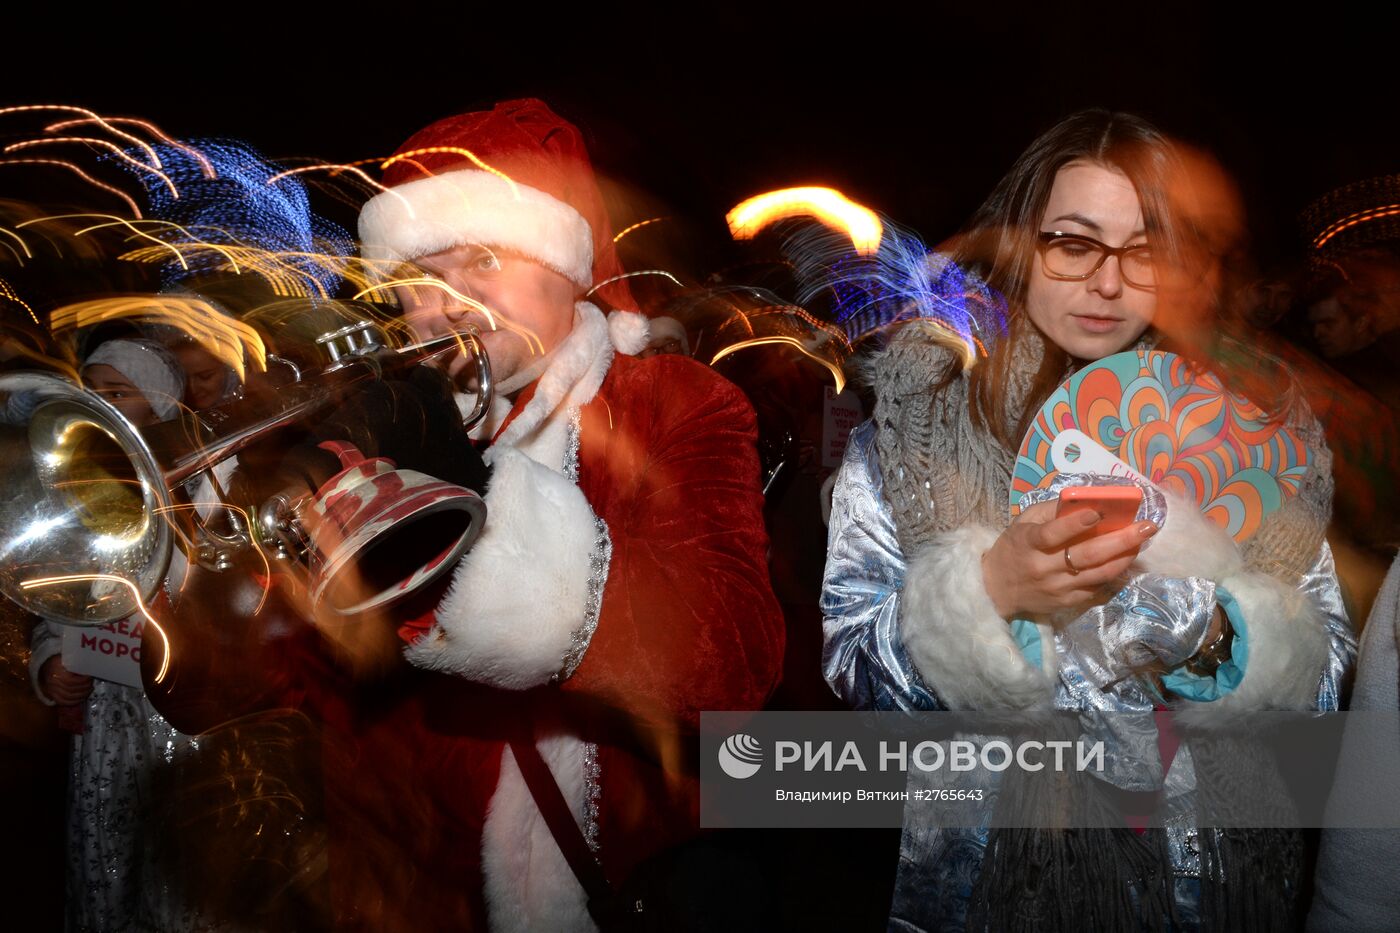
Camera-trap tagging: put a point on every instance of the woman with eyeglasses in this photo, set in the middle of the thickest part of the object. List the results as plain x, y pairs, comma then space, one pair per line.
1101, 239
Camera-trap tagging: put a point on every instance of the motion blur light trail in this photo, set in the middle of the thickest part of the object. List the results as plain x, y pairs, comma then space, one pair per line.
7, 292
92, 141
900, 281
1360, 217
135, 209
828, 205
637, 226
226, 338
122, 581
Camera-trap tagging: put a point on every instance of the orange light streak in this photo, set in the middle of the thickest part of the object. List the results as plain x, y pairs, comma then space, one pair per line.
637, 226
90, 141
802, 314
93, 117
135, 211
827, 205
336, 168
1351, 220
119, 220
111, 578
837, 376
247, 522
109, 123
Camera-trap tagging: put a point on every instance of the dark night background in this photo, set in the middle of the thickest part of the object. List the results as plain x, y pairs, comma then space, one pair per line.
913, 110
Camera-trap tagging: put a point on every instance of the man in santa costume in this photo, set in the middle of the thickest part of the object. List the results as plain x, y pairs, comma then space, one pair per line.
620, 585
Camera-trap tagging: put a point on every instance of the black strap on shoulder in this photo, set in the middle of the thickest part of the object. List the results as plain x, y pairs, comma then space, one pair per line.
555, 810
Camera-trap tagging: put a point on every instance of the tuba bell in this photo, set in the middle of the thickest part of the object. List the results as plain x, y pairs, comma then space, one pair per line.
92, 510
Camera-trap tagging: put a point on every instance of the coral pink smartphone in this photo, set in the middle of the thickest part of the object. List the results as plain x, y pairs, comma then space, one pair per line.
1117, 504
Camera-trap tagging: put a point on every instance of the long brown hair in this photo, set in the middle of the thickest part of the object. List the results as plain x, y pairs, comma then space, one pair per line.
999, 242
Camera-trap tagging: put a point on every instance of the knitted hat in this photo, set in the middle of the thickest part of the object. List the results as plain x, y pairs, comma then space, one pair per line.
151, 368
517, 176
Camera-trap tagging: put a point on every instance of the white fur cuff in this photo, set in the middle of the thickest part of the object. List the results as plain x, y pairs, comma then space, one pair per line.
1286, 649
520, 597
1190, 545
1284, 632
963, 649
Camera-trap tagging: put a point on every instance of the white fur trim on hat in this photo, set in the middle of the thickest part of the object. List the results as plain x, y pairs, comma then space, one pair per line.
630, 331
962, 648
429, 215
519, 596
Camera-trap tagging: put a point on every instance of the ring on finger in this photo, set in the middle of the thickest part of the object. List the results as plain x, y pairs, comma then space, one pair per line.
1069, 565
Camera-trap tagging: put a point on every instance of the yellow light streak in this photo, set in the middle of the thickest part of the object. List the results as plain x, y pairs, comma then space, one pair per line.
827, 205
18, 239
283, 269
837, 376
226, 338
456, 150
121, 220
429, 282
11, 294
63, 366
111, 578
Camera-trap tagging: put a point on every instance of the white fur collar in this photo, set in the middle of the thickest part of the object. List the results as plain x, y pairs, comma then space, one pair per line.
569, 381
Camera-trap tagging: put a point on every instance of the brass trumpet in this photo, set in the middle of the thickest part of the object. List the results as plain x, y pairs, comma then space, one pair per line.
91, 509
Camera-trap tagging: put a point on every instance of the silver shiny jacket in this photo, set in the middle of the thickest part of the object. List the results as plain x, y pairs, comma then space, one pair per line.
1092, 666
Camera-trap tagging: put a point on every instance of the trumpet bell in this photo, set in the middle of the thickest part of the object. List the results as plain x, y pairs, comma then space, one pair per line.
84, 534
381, 533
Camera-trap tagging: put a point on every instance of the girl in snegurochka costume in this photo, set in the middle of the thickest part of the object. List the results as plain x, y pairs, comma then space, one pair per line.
929, 580
112, 882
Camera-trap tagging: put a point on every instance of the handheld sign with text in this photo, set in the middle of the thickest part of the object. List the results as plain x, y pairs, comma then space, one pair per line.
109, 652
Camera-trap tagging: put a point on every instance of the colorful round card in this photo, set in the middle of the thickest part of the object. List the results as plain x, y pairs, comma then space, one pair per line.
1153, 416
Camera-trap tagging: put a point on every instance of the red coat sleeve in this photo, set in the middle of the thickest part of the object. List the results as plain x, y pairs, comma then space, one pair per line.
688, 620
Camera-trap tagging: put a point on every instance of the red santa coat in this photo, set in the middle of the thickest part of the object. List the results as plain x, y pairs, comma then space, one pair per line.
623, 572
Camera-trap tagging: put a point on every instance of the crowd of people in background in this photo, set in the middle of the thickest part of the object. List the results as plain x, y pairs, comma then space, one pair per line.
769, 617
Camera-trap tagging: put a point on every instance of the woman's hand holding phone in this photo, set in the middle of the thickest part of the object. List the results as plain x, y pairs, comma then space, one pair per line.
1045, 562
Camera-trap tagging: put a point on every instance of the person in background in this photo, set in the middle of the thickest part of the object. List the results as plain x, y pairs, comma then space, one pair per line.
208, 381
667, 336
121, 739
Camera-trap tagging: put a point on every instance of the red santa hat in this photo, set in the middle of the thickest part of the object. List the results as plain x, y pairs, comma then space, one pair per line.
516, 176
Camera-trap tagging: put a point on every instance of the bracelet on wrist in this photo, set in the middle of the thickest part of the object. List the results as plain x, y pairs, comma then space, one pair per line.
1208, 659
